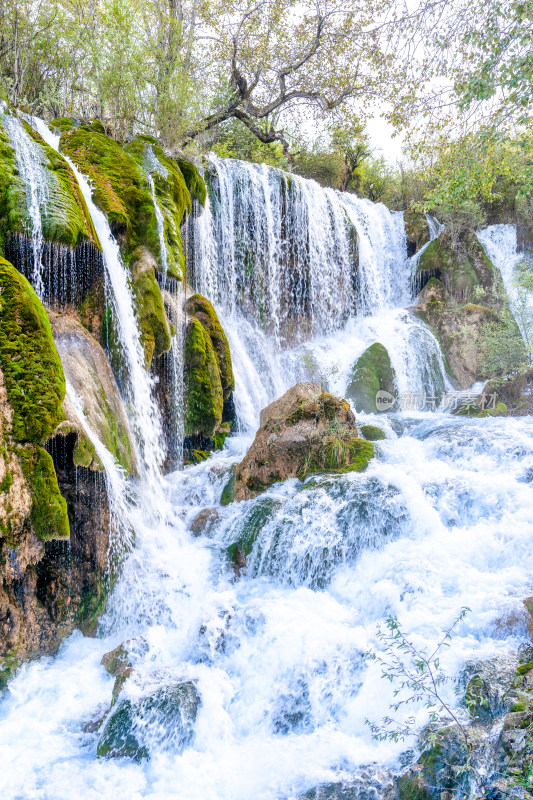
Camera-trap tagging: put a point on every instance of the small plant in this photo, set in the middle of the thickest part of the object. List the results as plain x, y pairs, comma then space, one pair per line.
418, 676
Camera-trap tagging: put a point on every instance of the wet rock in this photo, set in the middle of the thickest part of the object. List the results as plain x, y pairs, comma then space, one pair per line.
142, 718
372, 433
119, 660
306, 430
88, 370
371, 374
250, 527
515, 394
204, 521
416, 230
371, 783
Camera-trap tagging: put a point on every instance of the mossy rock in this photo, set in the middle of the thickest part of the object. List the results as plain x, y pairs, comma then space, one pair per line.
416, 230
228, 492
251, 527
200, 308
194, 180
339, 454
461, 268
153, 322
65, 218
372, 373
413, 787
49, 515
372, 433
167, 714
120, 188
203, 386
172, 194
29, 359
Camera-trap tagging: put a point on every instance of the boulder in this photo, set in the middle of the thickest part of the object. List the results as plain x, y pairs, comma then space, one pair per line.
463, 268
460, 329
371, 373
159, 715
306, 430
372, 433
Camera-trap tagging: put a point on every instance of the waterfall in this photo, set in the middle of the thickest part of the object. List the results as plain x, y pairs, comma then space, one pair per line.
295, 269
141, 406
30, 157
501, 246
174, 310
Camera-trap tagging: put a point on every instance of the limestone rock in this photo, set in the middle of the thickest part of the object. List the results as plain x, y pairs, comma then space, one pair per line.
416, 230
88, 370
306, 430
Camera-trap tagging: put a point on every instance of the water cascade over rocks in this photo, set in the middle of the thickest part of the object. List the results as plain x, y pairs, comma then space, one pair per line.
257, 686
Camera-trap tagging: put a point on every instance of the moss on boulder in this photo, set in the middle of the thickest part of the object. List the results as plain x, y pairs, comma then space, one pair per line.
172, 194
29, 359
372, 433
306, 430
461, 268
197, 306
203, 386
371, 373
49, 515
64, 215
120, 189
153, 322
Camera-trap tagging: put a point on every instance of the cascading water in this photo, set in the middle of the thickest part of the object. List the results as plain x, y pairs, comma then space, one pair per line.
501, 245
142, 409
299, 273
259, 686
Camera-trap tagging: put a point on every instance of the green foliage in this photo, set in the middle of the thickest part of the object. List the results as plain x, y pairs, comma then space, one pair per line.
29, 360
234, 140
417, 675
504, 353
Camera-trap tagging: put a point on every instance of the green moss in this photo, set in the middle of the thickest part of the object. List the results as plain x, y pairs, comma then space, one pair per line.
13, 203
228, 492
499, 410
523, 669
518, 707
6, 483
463, 268
93, 605
416, 228
65, 218
339, 454
63, 124
172, 195
194, 180
412, 788
204, 312
252, 525
49, 510
153, 322
120, 189
372, 433
372, 373
203, 387
29, 359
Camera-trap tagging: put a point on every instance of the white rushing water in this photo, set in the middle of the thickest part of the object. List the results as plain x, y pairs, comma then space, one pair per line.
142, 408
500, 243
258, 686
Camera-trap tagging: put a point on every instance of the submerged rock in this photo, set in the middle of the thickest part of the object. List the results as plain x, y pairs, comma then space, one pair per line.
372, 433
306, 430
371, 374
141, 718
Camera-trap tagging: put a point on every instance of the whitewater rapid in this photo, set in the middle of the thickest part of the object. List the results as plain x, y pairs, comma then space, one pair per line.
439, 521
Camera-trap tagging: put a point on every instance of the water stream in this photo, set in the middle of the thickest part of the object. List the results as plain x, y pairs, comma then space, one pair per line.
440, 520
